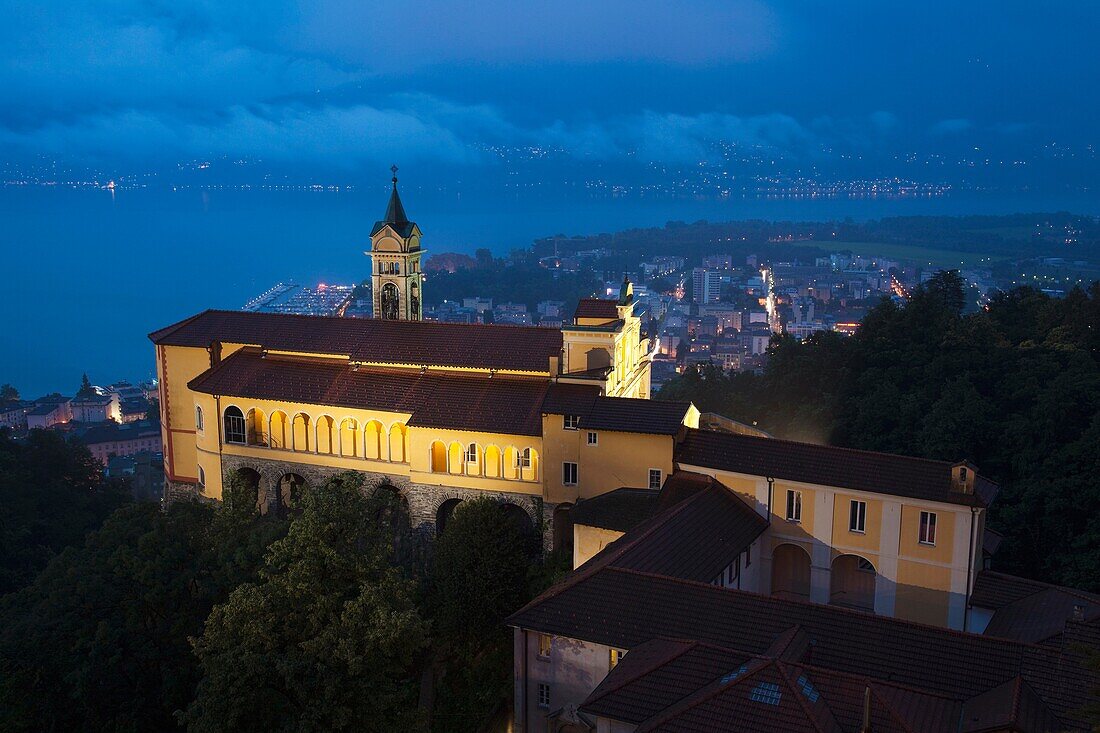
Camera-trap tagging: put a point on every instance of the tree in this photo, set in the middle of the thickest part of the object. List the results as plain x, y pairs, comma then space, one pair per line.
480, 575
86, 388
99, 641
152, 412
8, 393
52, 493
327, 638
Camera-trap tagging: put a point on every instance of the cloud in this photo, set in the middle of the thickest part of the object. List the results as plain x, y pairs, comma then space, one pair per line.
952, 127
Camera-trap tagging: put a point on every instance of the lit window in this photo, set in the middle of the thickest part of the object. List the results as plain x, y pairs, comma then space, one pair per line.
592, 437
234, 425
544, 645
198, 418
613, 658
857, 516
544, 695
927, 528
571, 422
794, 505
654, 478
569, 473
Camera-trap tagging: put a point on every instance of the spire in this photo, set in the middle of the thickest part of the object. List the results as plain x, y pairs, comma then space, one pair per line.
395, 212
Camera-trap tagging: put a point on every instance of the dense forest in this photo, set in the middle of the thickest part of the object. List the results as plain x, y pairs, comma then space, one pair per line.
1014, 388
212, 618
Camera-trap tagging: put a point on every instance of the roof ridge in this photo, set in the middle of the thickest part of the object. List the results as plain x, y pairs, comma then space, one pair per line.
172, 328
683, 647
862, 451
701, 695
802, 703
832, 609
307, 316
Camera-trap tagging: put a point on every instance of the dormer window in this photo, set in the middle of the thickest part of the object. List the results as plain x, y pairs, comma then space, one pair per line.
571, 422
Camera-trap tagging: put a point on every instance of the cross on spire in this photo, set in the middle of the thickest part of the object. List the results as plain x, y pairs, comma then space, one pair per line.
393, 168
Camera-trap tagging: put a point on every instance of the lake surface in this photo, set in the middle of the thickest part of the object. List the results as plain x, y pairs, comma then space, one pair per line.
88, 273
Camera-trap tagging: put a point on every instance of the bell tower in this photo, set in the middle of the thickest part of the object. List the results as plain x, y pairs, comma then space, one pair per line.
395, 263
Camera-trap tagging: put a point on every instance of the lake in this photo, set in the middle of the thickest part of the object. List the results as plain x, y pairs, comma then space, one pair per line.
88, 273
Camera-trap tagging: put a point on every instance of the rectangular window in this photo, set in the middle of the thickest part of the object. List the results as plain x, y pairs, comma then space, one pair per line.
857, 516
613, 658
794, 505
927, 528
592, 437
654, 478
569, 473
544, 646
544, 695
571, 422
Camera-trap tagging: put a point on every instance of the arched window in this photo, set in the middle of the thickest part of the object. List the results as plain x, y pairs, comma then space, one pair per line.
198, 418
202, 479
234, 425
523, 458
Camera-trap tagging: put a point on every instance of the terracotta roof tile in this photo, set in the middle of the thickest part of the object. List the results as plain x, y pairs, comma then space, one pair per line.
513, 348
621, 510
495, 404
882, 473
596, 308
635, 416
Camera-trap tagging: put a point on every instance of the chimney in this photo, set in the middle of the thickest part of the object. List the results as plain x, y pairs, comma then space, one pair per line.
555, 365
962, 477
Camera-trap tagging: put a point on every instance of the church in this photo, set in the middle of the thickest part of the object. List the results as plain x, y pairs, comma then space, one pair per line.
557, 425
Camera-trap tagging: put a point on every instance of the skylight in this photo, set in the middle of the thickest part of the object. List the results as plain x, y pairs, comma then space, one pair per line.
767, 693
808, 689
730, 677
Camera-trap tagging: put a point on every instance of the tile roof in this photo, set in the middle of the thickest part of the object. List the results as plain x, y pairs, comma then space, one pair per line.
630, 415
596, 308
1029, 610
1011, 706
601, 605
461, 401
882, 473
570, 399
667, 684
478, 346
621, 510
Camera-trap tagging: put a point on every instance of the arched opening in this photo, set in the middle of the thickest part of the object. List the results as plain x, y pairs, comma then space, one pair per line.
257, 427
349, 438
511, 462
852, 583
597, 358
471, 459
454, 458
287, 492
492, 462
791, 573
527, 463
444, 513
438, 457
300, 430
399, 442
278, 435
519, 517
388, 302
563, 529
234, 425
326, 432
373, 440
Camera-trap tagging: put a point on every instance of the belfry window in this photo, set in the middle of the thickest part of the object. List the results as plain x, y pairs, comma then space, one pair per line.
234, 425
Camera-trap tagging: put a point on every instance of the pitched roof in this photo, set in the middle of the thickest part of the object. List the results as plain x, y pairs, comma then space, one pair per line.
1029, 610
1011, 706
461, 401
606, 606
631, 415
596, 308
667, 684
395, 216
882, 473
621, 510
477, 346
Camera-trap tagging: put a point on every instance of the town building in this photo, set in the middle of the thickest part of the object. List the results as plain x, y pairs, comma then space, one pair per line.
48, 412
110, 439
